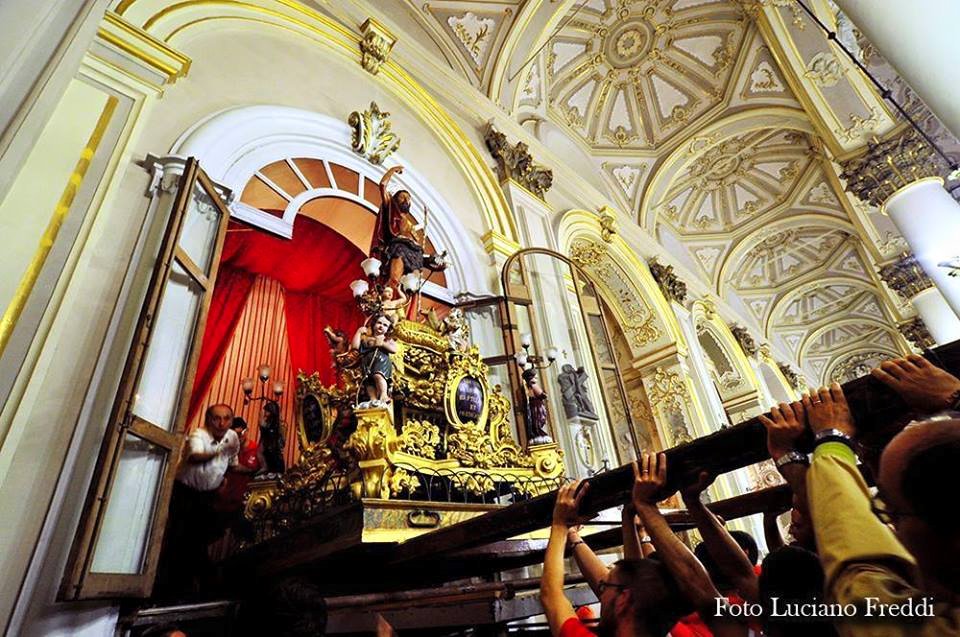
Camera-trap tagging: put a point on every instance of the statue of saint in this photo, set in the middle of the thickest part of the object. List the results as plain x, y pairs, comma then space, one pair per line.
574, 393
397, 239
536, 409
375, 346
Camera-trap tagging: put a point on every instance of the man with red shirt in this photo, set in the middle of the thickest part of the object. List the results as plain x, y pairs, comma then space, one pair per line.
637, 597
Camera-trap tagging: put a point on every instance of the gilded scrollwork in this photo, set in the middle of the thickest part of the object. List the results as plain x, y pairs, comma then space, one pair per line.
635, 318
372, 137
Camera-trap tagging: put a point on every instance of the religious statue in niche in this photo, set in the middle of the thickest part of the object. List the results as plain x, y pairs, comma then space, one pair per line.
574, 393
375, 344
271, 437
536, 409
397, 240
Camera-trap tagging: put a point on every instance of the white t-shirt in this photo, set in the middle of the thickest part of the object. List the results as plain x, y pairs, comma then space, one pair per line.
207, 476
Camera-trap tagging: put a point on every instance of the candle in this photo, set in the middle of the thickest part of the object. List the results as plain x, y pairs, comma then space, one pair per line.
247, 385
278, 388
526, 340
264, 372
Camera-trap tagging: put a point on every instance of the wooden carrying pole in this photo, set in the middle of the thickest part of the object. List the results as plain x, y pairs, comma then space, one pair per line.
878, 411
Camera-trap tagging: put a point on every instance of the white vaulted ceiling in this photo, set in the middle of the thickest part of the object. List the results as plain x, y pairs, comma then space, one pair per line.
678, 111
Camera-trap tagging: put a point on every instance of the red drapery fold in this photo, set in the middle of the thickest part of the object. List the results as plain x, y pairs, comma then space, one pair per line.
229, 298
315, 268
307, 315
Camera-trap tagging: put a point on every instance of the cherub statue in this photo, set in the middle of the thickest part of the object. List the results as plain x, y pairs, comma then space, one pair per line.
375, 345
393, 307
457, 329
343, 357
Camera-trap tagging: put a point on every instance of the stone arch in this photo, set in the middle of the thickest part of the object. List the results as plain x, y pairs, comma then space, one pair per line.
746, 243
853, 348
233, 145
781, 303
676, 163
654, 364
167, 21
736, 379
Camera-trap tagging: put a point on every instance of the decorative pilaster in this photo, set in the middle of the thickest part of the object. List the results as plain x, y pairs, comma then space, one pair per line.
915, 331
889, 164
905, 276
744, 339
515, 163
673, 288
375, 46
669, 396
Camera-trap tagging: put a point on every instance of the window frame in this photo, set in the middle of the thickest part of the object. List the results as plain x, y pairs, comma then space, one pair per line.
79, 581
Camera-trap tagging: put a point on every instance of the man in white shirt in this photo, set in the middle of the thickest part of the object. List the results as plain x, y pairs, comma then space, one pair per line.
207, 453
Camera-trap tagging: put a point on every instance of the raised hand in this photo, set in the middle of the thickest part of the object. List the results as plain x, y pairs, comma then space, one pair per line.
566, 508
692, 492
649, 478
921, 384
785, 426
827, 408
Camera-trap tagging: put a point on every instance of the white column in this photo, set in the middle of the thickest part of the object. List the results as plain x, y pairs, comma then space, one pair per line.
906, 277
918, 39
941, 322
929, 219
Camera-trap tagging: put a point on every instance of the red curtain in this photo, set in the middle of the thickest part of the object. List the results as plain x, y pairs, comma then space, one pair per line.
315, 268
229, 298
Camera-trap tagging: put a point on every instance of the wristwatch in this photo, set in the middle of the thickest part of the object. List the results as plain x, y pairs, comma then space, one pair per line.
832, 435
792, 457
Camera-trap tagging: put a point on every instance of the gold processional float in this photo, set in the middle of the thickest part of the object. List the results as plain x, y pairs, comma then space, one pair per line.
412, 417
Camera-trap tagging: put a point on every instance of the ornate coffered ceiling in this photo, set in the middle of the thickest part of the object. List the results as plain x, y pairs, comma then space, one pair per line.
623, 74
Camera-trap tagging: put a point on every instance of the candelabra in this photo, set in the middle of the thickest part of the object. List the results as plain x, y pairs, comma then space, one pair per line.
526, 360
370, 296
248, 383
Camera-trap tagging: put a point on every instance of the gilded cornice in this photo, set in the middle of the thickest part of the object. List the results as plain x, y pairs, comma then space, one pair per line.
905, 276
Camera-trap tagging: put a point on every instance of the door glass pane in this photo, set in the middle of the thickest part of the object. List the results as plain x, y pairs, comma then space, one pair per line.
485, 329
165, 363
200, 224
122, 543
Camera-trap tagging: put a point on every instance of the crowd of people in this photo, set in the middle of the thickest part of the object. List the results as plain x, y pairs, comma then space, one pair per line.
862, 560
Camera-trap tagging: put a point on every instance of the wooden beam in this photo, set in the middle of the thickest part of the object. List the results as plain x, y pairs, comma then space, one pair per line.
879, 413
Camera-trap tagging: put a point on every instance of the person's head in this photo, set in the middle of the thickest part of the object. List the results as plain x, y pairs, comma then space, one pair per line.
271, 412
239, 427
529, 377
402, 199
387, 293
792, 575
642, 591
380, 325
917, 467
747, 544
218, 419
801, 530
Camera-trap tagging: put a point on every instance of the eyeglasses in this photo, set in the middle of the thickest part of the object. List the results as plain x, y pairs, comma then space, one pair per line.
603, 585
885, 514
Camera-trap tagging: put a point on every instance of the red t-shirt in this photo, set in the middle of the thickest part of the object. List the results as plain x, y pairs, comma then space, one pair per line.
573, 627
